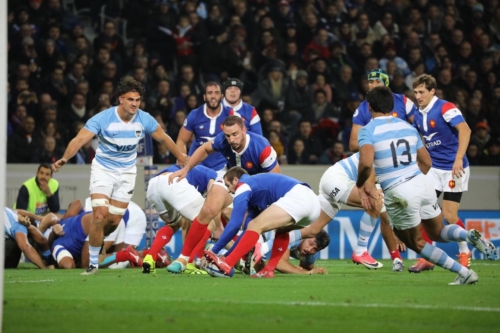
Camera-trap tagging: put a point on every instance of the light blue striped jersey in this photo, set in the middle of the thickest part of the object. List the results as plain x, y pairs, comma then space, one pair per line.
11, 225
350, 165
395, 143
118, 140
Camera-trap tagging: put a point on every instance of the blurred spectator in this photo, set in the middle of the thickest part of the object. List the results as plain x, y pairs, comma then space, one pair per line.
278, 146
48, 152
473, 154
109, 35
491, 154
271, 90
311, 145
175, 126
297, 153
481, 135
391, 54
17, 117
493, 111
322, 108
344, 86
77, 110
161, 100
333, 155
320, 84
267, 115
474, 113
20, 145
50, 129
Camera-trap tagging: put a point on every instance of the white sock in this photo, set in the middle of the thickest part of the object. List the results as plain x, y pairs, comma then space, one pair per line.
94, 255
462, 247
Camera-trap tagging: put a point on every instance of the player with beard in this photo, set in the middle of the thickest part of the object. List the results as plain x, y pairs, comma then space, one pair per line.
239, 148
232, 99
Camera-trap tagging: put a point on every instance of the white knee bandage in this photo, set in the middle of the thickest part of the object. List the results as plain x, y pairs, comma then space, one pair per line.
116, 210
99, 203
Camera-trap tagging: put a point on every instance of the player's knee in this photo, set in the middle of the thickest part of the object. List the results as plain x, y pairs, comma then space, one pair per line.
207, 213
67, 264
226, 213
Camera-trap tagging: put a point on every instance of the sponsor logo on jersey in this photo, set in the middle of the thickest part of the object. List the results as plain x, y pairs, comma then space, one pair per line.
451, 184
185, 123
430, 136
202, 127
138, 133
355, 113
249, 165
432, 123
433, 144
394, 114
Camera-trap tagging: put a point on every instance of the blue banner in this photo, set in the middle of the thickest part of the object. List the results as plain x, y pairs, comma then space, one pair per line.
343, 231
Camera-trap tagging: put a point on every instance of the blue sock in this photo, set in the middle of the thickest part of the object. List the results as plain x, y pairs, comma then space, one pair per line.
453, 233
94, 255
365, 231
439, 257
109, 260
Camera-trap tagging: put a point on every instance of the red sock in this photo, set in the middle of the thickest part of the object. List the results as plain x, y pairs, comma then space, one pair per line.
395, 254
280, 246
163, 236
193, 237
122, 256
247, 242
460, 223
200, 247
424, 236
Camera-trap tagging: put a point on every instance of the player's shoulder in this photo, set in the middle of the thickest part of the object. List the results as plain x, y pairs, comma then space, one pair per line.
257, 138
109, 114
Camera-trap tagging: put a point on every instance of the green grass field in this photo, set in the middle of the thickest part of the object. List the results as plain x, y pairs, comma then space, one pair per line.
349, 299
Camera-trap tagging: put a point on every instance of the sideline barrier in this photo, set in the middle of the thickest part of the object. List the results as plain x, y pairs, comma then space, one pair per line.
343, 231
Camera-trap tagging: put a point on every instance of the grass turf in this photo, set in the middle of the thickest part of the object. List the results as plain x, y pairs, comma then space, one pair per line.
349, 299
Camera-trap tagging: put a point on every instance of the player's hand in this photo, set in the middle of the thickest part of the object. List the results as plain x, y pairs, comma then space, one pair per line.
318, 270
44, 186
24, 220
183, 160
58, 230
59, 164
458, 168
48, 220
180, 174
401, 246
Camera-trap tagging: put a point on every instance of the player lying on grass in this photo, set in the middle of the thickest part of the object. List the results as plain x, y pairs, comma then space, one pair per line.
251, 151
17, 229
172, 201
263, 202
393, 147
69, 238
304, 250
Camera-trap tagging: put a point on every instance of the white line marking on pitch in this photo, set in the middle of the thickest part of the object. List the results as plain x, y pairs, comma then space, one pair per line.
34, 281
354, 305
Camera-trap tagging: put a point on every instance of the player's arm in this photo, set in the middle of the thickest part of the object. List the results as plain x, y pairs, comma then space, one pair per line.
464, 133
28, 250
183, 138
286, 267
160, 136
240, 205
53, 202
23, 197
353, 139
73, 147
269, 160
198, 156
424, 160
255, 124
366, 157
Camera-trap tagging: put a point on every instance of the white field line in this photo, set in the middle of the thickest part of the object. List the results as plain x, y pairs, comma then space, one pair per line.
33, 281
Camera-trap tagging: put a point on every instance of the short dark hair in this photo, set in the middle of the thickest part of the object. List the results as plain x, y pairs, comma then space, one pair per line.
380, 99
233, 120
322, 240
427, 80
212, 83
129, 84
45, 166
235, 171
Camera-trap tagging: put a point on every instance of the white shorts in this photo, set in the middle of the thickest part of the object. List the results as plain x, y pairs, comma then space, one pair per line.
301, 203
405, 201
180, 196
443, 180
115, 185
335, 187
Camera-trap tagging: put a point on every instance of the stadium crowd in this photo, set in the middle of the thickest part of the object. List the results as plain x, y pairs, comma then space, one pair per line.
304, 66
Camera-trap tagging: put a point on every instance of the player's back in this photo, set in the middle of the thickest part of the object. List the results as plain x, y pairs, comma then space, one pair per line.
266, 188
350, 166
74, 234
437, 124
205, 128
118, 140
395, 143
11, 224
198, 177
403, 109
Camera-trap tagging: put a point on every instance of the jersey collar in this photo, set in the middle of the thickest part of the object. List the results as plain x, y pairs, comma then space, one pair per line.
247, 142
428, 107
123, 121
235, 108
210, 117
